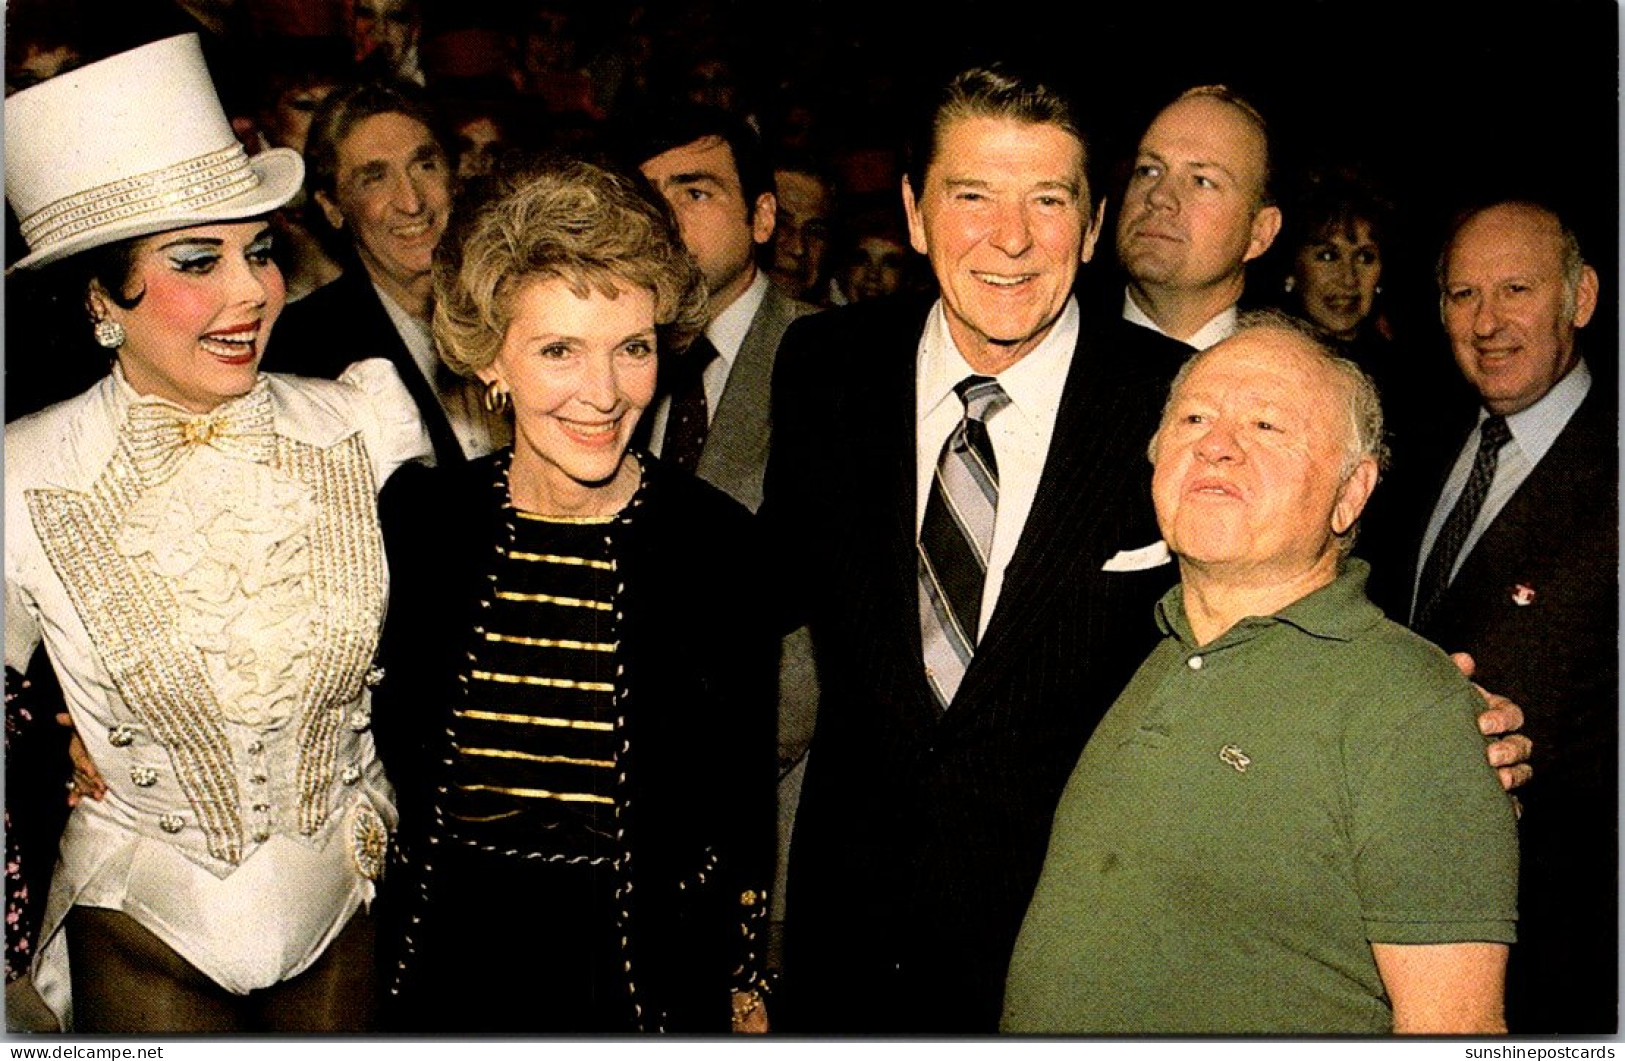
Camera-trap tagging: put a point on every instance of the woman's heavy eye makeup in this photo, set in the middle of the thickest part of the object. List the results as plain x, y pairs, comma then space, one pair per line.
201, 255
260, 251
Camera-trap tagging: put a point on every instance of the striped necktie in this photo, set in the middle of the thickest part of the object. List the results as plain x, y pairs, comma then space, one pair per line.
956, 536
1493, 433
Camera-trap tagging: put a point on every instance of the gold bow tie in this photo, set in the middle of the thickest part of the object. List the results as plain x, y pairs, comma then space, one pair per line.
160, 435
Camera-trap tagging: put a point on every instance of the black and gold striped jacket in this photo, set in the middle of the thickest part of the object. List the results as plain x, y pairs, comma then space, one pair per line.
697, 663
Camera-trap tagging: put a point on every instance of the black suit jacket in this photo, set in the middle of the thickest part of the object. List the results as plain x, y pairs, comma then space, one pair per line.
921, 832
1536, 603
341, 323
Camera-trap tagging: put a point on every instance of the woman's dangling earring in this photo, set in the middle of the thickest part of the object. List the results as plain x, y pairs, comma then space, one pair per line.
109, 333
1289, 283
496, 398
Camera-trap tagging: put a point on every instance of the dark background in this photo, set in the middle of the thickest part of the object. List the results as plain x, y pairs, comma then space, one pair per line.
1443, 103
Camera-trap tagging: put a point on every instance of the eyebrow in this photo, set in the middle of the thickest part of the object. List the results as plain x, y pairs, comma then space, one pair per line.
1157, 156
550, 338
695, 177
192, 241
1070, 187
1221, 167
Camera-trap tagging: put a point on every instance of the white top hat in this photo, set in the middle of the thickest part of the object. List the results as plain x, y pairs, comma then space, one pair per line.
129, 146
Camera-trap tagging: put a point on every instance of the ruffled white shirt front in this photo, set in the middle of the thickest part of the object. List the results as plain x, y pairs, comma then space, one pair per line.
211, 607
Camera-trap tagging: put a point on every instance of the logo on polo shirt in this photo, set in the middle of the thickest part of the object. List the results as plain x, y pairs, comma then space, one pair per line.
1237, 758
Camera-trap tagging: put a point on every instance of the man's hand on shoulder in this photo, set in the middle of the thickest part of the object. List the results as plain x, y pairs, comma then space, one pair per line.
1501, 718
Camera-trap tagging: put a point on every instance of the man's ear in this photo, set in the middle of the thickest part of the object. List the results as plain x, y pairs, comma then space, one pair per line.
916, 224
1585, 297
763, 217
330, 210
1091, 235
1355, 493
1266, 226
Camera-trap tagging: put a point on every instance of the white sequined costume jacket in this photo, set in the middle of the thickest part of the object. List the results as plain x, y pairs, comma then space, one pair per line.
209, 590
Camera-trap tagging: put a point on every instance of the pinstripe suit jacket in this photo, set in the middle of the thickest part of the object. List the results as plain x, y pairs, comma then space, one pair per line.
921, 832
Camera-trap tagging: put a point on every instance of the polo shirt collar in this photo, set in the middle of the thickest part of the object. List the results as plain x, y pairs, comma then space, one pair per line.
1337, 612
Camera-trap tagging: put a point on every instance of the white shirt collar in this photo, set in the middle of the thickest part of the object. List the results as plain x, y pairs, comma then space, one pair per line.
1538, 426
1215, 331
123, 395
416, 334
727, 331
1033, 383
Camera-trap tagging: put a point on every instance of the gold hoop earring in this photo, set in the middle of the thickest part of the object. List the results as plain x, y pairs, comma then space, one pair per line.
496, 399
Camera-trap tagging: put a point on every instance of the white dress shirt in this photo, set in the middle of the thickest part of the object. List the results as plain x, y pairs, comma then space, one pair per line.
1214, 332
211, 609
1020, 432
478, 430
727, 334
1533, 431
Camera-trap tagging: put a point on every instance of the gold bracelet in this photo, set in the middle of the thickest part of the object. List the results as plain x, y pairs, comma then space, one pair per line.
745, 1003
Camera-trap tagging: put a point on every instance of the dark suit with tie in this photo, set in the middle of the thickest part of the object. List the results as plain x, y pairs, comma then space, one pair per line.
922, 831
343, 322
735, 455
1536, 603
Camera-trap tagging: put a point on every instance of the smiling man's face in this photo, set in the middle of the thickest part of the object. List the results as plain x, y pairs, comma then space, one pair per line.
1003, 215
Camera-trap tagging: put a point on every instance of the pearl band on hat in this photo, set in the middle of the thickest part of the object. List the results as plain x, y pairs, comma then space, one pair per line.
130, 146
200, 182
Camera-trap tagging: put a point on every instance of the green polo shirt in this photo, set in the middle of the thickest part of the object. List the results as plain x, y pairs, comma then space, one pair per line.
1251, 816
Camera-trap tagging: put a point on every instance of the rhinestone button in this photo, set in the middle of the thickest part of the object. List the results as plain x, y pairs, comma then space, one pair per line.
144, 776
360, 718
171, 823
261, 835
121, 736
375, 675
255, 747
262, 807
351, 774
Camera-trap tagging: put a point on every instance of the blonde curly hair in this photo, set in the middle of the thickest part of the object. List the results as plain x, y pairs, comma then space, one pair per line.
576, 221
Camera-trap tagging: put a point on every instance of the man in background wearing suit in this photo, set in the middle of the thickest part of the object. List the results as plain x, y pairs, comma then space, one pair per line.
714, 416
379, 175
1198, 207
1510, 552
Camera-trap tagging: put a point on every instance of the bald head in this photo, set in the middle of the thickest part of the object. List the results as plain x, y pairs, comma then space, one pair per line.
1513, 291
1197, 207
